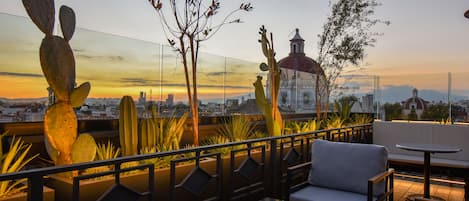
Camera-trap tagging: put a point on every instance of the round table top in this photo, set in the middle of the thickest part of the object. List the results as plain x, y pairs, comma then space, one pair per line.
433, 148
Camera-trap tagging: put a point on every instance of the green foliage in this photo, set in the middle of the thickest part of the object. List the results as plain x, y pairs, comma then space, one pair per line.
392, 111
13, 161
169, 133
435, 112
343, 106
334, 121
346, 34
218, 139
360, 119
270, 109
238, 128
301, 127
107, 151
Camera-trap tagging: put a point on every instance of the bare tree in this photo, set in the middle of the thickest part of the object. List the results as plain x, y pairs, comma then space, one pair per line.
192, 23
346, 34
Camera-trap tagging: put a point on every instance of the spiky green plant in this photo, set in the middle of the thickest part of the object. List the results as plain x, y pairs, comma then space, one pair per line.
107, 151
13, 161
334, 121
158, 162
301, 127
169, 132
238, 128
360, 119
218, 139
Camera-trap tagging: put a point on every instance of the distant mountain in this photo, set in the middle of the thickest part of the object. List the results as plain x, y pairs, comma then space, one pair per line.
394, 94
23, 100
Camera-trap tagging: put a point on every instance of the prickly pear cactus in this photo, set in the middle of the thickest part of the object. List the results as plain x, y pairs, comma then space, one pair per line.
58, 66
128, 130
84, 149
270, 109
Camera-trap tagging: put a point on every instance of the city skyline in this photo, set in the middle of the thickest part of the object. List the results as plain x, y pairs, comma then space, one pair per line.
117, 66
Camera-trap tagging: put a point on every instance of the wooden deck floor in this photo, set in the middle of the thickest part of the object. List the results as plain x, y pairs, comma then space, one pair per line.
403, 188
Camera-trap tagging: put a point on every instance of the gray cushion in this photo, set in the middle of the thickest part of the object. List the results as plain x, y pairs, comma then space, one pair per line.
347, 166
314, 193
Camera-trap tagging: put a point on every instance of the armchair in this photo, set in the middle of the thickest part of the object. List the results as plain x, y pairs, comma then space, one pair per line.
343, 172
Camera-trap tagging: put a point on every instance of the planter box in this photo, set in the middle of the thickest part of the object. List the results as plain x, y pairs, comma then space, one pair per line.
48, 195
93, 189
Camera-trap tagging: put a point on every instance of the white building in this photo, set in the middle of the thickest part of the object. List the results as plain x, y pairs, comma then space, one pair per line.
298, 79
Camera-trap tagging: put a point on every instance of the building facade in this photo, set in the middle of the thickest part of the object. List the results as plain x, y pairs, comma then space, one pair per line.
299, 77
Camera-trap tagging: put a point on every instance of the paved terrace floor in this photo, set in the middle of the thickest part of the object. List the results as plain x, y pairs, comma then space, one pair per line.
403, 188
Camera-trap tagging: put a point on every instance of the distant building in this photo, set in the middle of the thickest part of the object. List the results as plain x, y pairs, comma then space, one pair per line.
170, 100
142, 99
414, 104
298, 79
367, 103
232, 103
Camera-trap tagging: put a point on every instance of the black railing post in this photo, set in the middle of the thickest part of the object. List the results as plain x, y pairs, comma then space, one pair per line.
35, 188
274, 166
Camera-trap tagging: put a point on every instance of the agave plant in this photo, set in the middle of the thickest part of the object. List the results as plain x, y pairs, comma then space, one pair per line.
169, 133
301, 127
158, 162
107, 151
334, 122
12, 161
237, 129
360, 119
218, 139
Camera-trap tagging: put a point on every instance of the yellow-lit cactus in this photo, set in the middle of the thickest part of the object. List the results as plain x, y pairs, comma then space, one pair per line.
58, 66
270, 109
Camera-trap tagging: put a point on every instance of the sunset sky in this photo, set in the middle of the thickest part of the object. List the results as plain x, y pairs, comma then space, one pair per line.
425, 40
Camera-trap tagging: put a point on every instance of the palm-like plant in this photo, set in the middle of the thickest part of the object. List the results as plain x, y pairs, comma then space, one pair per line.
12, 161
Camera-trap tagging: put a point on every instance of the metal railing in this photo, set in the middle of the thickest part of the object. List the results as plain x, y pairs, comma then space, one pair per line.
253, 169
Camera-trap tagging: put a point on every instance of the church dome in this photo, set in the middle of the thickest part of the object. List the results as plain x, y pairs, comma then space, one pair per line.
297, 60
414, 102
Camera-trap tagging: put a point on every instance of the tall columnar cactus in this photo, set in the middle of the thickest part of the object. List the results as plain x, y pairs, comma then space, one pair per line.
128, 127
58, 66
270, 109
147, 133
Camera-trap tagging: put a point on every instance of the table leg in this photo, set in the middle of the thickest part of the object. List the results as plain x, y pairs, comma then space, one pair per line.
426, 175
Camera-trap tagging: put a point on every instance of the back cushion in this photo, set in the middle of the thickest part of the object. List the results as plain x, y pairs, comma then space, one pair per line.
347, 166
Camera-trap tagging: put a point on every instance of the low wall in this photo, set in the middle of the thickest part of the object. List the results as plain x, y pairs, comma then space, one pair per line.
391, 133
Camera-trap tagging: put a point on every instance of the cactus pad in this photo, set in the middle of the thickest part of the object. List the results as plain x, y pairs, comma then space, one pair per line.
67, 22
79, 94
58, 66
42, 13
60, 126
84, 149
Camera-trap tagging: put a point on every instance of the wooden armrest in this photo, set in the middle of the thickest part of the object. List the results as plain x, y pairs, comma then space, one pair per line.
381, 176
299, 166
388, 191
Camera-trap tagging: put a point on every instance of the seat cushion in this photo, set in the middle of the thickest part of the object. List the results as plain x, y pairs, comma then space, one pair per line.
347, 166
315, 193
